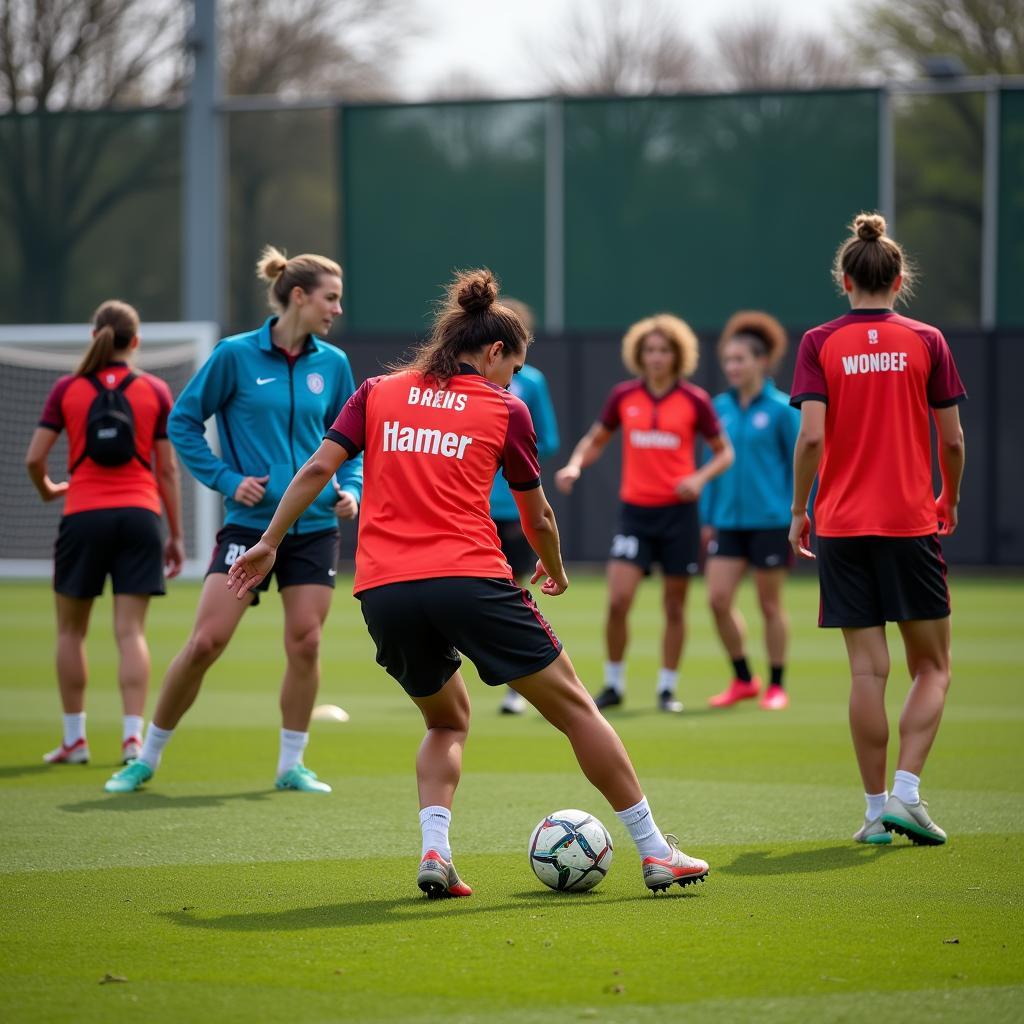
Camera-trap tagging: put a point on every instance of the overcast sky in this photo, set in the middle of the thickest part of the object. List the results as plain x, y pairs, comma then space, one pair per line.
480, 36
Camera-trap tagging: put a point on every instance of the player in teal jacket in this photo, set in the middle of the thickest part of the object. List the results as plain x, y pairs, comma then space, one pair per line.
529, 385
274, 393
745, 511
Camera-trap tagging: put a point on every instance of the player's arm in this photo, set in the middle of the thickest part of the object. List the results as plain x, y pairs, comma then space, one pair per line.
538, 521
36, 463
168, 482
810, 443
251, 566
722, 457
952, 458
590, 448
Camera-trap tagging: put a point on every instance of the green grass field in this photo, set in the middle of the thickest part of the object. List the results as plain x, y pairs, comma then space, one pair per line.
215, 897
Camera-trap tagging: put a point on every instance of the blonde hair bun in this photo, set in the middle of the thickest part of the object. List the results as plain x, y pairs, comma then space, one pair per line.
868, 226
272, 263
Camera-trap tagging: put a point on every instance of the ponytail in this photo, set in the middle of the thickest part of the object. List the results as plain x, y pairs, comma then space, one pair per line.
115, 324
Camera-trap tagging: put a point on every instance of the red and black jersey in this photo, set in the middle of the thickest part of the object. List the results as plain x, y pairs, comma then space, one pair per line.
92, 486
878, 372
431, 454
659, 436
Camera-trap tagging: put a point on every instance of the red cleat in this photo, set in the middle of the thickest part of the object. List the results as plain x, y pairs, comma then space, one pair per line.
77, 753
775, 699
738, 690
438, 879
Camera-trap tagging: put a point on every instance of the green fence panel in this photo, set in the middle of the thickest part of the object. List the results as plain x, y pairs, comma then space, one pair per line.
705, 204
428, 189
1010, 279
90, 209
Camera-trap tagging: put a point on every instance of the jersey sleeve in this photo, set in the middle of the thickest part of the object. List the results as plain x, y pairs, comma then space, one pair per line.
945, 388
349, 429
708, 424
519, 462
164, 403
53, 413
808, 376
611, 417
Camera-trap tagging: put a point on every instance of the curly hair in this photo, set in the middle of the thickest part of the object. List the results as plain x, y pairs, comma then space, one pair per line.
677, 332
768, 334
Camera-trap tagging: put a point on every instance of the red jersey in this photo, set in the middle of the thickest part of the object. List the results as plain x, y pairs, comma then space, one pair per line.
431, 455
659, 437
132, 485
878, 372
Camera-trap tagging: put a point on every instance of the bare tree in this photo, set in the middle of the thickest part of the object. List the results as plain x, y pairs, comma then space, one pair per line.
612, 48
760, 52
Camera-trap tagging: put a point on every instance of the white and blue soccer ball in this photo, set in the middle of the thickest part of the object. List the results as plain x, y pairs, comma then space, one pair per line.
570, 851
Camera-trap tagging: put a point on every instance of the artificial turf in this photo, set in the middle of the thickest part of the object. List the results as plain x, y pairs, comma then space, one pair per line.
215, 897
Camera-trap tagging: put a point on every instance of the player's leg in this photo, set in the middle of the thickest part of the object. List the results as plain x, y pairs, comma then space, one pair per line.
725, 572
72, 673
623, 579
673, 603
769, 584
133, 668
305, 611
522, 559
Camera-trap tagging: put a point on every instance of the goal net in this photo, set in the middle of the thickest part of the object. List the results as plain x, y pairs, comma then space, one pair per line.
32, 357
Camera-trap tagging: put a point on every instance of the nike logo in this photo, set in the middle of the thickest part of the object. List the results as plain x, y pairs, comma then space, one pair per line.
332, 572
265, 380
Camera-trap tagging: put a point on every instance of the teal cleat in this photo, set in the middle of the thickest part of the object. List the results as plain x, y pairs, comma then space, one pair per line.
302, 779
129, 778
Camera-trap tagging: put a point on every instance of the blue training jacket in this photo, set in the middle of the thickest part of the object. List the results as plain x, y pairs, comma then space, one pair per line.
529, 385
271, 416
756, 492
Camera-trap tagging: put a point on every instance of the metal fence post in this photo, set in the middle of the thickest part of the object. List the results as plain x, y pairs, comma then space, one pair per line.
554, 216
990, 209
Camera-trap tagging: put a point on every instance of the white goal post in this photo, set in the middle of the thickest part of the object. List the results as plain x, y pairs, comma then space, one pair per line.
32, 357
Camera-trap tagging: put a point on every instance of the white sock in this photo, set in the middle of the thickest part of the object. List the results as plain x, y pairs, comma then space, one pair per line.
667, 680
876, 803
132, 726
434, 824
615, 675
647, 836
292, 745
904, 787
153, 747
74, 728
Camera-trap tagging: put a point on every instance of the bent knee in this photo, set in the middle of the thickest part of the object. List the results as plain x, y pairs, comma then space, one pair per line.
204, 648
304, 646
720, 602
619, 605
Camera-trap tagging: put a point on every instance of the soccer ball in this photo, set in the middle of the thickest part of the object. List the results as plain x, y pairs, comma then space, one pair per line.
570, 851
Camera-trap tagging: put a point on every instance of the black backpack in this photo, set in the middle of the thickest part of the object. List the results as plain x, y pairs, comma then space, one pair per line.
110, 427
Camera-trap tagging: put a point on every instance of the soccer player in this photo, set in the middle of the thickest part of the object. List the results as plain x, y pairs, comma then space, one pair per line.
864, 384
273, 391
121, 467
430, 574
746, 509
661, 414
530, 386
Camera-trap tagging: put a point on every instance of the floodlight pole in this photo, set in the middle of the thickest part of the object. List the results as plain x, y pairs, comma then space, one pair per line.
990, 209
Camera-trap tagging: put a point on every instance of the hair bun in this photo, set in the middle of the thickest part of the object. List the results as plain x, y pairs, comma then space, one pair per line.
476, 290
869, 226
272, 263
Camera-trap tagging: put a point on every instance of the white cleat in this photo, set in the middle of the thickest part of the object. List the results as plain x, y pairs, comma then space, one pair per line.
675, 869
77, 753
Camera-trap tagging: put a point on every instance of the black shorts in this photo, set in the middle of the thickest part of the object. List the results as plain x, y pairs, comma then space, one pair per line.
125, 544
763, 549
515, 547
420, 626
301, 558
668, 535
868, 581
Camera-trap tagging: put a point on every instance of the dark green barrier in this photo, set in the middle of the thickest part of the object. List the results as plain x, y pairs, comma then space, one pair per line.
1010, 305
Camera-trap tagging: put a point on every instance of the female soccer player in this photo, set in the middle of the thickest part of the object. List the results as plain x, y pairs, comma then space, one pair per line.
274, 391
530, 386
430, 574
661, 413
746, 509
864, 384
116, 421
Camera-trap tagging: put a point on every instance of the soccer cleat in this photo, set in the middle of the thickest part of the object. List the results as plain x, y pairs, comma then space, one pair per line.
77, 753
129, 778
912, 821
513, 703
438, 878
130, 749
872, 832
738, 690
775, 699
675, 869
608, 698
667, 702
302, 779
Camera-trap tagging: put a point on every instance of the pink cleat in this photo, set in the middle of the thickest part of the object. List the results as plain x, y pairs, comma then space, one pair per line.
738, 690
77, 753
775, 699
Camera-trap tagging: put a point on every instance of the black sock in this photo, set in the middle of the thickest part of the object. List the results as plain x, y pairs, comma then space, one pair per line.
742, 669
777, 671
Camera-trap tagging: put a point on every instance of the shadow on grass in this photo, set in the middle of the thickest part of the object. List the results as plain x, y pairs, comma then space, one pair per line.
827, 858
161, 801
15, 771
615, 714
